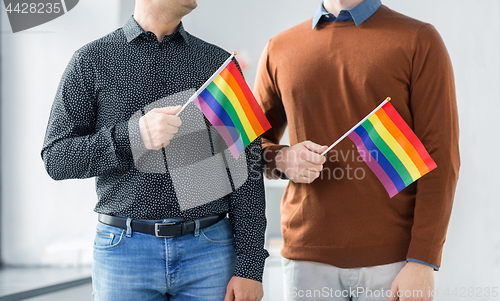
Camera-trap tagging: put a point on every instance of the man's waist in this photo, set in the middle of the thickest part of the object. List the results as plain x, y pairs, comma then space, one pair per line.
168, 228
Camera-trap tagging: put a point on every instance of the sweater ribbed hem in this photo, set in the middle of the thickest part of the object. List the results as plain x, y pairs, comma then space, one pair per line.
349, 257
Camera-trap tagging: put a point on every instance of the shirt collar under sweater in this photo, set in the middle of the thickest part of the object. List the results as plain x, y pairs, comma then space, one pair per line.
359, 14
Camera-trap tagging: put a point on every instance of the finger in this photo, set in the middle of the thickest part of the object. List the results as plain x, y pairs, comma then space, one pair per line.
310, 166
315, 158
174, 120
394, 292
229, 294
300, 178
308, 173
314, 147
313, 174
166, 138
309, 156
305, 180
169, 110
170, 129
306, 155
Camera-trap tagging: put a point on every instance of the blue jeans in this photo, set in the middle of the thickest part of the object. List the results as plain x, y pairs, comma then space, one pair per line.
135, 266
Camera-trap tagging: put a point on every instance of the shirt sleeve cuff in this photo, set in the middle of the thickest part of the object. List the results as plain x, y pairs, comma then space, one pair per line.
280, 174
122, 141
251, 267
269, 156
436, 268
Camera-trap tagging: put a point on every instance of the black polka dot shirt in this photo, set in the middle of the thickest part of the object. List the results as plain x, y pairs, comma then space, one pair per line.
105, 83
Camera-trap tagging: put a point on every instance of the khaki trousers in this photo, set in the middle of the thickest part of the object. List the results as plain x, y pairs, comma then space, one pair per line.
306, 280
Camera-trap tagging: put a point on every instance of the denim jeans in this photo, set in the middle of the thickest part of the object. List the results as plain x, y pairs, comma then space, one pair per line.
135, 266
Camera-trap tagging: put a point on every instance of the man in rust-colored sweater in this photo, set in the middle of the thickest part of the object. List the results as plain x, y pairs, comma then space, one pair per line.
343, 235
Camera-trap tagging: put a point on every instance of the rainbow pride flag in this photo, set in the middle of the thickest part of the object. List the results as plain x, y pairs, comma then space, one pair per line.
227, 102
391, 149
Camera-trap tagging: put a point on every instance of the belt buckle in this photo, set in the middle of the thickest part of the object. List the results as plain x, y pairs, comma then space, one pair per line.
157, 229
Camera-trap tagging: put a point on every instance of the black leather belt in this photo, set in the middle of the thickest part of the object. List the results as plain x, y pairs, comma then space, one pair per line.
160, 229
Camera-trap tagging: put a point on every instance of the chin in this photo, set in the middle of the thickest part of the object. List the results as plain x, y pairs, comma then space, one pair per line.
192, 4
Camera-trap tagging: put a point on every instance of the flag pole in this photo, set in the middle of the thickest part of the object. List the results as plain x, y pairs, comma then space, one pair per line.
205, 85
358, 124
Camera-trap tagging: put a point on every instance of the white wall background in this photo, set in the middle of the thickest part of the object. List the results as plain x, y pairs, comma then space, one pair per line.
47, 222
43, 222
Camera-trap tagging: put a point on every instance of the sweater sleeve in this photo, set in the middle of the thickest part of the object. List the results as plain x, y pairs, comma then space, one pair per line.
435, 120
267, 93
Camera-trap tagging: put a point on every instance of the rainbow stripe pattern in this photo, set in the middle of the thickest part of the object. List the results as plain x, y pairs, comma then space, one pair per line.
232, 109
391, 149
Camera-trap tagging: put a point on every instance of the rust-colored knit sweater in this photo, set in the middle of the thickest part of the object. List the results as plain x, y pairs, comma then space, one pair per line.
320, 83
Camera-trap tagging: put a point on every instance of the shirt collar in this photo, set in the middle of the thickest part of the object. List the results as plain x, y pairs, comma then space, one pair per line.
359, 14
132, 30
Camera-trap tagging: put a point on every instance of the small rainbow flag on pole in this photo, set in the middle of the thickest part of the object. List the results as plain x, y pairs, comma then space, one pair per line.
227, 102
390, 148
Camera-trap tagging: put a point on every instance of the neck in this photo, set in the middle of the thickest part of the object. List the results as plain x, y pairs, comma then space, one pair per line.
335, 6
159, 21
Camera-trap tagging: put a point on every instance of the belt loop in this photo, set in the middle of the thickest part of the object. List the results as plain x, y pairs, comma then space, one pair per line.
197, 227
129, 227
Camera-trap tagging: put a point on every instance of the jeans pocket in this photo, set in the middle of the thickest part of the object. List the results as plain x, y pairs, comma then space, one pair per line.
108, 237
220, 233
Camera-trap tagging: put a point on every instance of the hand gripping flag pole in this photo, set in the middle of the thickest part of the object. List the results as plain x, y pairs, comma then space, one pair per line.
228, 103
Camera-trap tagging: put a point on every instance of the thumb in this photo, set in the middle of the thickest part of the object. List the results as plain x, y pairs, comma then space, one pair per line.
169, 110
314, 147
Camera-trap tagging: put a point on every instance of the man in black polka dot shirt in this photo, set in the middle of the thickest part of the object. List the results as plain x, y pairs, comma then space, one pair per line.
147, 245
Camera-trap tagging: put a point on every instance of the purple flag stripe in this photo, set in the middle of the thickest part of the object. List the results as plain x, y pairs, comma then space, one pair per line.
374, 165
236, 147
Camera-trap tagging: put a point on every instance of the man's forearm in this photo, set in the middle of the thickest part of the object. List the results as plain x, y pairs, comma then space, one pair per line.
67, 157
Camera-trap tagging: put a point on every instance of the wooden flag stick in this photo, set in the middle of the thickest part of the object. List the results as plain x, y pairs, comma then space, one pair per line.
358, 124
205, 85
